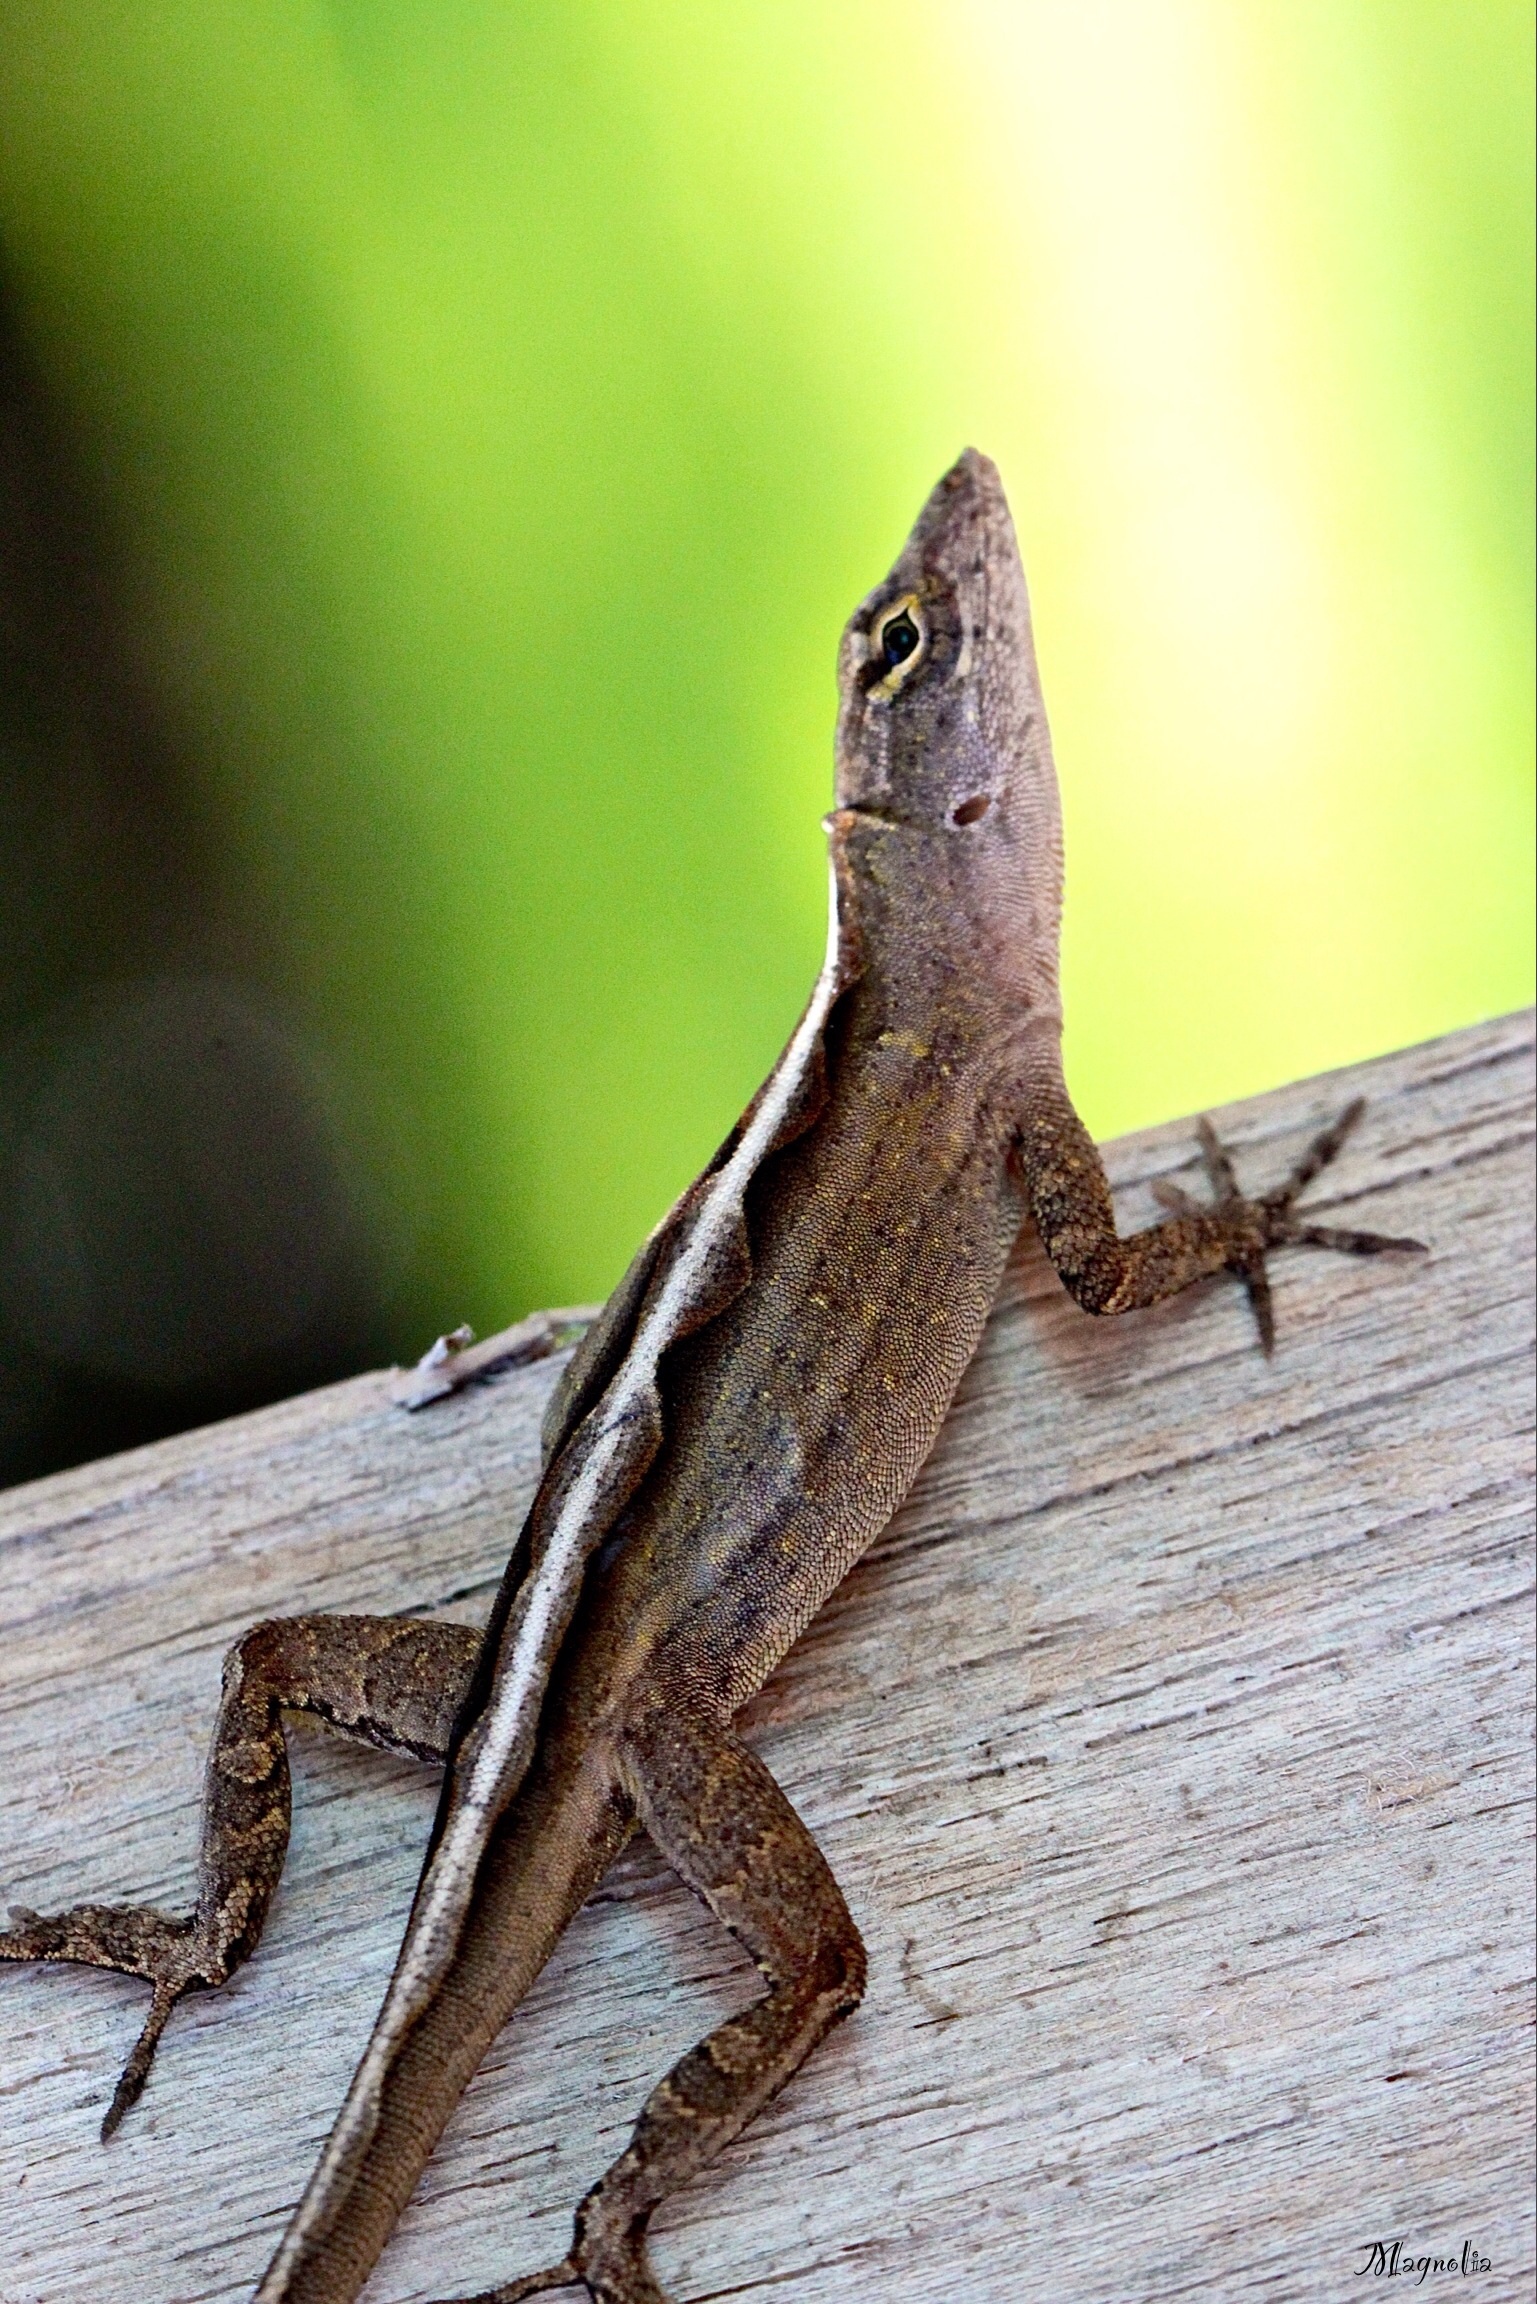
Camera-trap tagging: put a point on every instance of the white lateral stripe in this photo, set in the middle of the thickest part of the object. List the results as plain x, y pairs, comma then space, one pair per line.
432, 1934
719, 1211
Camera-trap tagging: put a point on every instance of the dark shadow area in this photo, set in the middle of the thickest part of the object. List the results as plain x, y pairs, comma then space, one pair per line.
180, 1236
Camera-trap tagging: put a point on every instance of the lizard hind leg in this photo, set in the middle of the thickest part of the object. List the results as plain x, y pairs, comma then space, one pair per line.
389, 1681
722, 1823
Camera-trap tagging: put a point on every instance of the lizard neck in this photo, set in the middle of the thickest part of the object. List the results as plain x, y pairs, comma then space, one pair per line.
948, 940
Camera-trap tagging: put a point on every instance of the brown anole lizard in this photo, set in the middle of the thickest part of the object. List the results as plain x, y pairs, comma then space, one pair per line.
739, 1423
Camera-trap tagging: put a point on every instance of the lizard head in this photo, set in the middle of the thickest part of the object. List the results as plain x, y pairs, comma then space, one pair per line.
943, 752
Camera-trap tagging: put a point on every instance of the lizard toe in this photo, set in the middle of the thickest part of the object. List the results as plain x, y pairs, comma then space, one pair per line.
561, 2275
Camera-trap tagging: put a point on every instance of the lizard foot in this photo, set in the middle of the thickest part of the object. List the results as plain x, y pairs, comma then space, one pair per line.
136, 1940
1274, 1224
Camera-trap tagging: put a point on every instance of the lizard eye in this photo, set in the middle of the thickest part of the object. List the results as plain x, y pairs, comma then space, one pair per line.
899, 642
899, 637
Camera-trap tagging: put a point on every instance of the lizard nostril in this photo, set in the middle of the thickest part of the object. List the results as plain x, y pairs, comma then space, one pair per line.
972, 811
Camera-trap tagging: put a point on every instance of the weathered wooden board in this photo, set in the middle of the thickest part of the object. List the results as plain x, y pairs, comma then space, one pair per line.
1173, 1749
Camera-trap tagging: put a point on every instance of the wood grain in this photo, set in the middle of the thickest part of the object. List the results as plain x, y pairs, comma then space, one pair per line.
1173, 1749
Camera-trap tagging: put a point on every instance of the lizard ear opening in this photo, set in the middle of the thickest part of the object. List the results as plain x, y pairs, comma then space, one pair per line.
973, 810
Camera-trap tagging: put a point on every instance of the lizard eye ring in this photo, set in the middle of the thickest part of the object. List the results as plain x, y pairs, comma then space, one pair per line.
899, 644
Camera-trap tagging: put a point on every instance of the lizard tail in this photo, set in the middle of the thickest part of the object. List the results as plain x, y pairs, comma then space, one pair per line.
567, 1825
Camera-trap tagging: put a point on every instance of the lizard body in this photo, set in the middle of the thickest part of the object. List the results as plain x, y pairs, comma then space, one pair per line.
741, 1421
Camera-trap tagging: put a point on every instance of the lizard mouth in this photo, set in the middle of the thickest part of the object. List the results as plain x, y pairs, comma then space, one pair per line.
871, 812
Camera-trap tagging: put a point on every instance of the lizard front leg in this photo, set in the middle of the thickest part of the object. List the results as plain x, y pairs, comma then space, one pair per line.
1069, 1197
722, 1823
389, 1681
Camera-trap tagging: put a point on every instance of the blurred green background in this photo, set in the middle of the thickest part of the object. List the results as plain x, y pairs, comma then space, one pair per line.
442, 442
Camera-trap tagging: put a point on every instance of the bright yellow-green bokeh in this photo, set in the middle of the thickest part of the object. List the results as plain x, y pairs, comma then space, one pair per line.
503, 405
